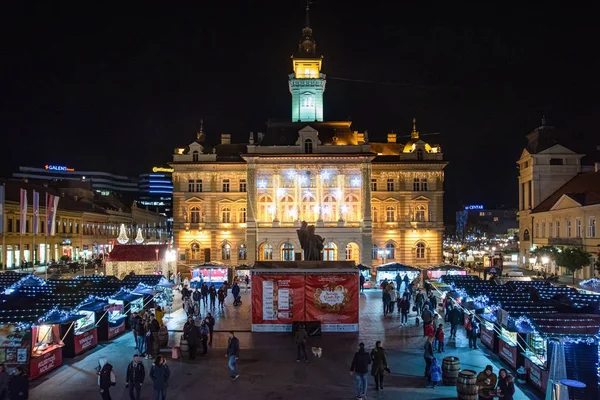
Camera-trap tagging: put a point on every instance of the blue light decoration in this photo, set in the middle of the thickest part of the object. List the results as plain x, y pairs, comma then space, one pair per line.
524, 324
593, 282
11, 289
54, 312
481, 301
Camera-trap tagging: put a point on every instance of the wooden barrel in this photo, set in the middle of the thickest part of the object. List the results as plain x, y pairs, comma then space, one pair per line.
450, 370
183, 345
466, 385
163, 336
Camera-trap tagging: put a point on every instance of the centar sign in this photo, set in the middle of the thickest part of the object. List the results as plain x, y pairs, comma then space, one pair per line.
162, 169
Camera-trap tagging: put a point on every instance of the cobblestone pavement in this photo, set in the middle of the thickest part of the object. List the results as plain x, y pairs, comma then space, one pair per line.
267, 363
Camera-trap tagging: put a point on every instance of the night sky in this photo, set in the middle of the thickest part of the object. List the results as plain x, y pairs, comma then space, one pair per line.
118, 88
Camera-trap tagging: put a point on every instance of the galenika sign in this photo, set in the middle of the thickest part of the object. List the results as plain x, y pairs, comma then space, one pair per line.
277, 301
86, 341
44, 363
333, 300
116, 328
536, 375
508, 352
487, 336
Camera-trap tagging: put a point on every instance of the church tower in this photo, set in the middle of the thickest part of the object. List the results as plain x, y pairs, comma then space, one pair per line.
307, 83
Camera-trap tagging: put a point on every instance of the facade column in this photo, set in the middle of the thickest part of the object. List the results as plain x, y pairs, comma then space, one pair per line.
251, 225
367, 228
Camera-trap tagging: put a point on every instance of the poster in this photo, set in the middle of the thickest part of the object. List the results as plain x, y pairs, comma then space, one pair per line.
277, 301
21, 356
86, 341
332, 299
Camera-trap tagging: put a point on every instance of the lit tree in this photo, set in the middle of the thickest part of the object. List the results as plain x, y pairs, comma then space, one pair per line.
573, 259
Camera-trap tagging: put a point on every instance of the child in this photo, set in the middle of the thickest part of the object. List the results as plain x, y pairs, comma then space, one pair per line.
439, 337
435, 374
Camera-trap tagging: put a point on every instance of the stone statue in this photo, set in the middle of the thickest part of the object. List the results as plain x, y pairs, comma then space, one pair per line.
312, 244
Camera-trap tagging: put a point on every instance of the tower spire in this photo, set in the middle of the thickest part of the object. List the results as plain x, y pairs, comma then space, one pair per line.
415, 133
307, 44
200, 134
307, 21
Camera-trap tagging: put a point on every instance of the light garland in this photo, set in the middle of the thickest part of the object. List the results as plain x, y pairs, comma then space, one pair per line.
55, 311
22, 281
593, 282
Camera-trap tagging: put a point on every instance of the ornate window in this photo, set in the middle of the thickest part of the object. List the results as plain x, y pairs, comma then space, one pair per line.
416, 184
329, 251
225, 185
390, 185
242, 253
390, 214
329, 210
308, 146
287, 252
423, 184
242, 185
373, 185
420, 251
351, 208
420, 154
390, 251
191, 185
526, 237
195, 215
374, 213
375, 254
226, 215
195, 156
198, 185
266, 251
352, 252
308, 208
226, 252
288, 209
420, 213
265, 208
195, 251
242, 215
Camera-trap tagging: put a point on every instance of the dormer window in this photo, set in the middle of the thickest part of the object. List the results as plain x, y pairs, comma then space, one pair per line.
195, 156
420, 154
308, 146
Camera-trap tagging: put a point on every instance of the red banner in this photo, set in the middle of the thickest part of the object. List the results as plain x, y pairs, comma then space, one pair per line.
487, 336
536, 375
508, 352
86, 341
45, 363
333, 300
116, 330
277, 301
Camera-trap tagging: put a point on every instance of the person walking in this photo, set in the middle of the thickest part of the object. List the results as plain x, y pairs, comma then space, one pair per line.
233, 354
18, 385
247, 280
140, 335
221, 296
4, 379
212, 294
379, 366
386, 301
398, 280
472, 331
404, 309
204, 294
191, 333
204, 333
361, 283
435, 373
426, 317
135, 318
439, 337
159, 315
210, 321
196, 296
454, 319
419, 302
360, 368
406, 282
134, 377
235, 291
301, 338
393, 297
160, 373
506, 385
486, 381
154, 327
428, 355
106, 378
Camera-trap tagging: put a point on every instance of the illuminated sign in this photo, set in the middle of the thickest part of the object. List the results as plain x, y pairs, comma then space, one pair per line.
58, 168
474, 207
162, 169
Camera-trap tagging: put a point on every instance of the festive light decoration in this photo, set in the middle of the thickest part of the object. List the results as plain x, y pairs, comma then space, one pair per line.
262, 183
122, 239
355, 182
594, 282
524, 324
281, 192
53, 313
139, 239
291, 174
22, 281
344, 209
325, 175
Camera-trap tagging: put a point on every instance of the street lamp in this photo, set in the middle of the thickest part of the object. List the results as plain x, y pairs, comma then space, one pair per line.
532, 261
545, 261
156, 251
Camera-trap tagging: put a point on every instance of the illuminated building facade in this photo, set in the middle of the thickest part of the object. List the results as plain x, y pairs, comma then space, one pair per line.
156, 190
371, 202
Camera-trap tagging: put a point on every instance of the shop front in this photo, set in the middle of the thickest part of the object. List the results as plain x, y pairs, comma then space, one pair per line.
47, 349
78, 331
390, 271
209, 274
436, 273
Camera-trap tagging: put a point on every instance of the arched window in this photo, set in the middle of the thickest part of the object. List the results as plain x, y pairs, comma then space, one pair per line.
420, 213
287, 252
195, 215
420, 154
390, 251
242, 215
308, 207
265, 206
329, 250
288, 210
195, 251
266, 251
195, 156
242, 253
226, 252
308, 146
420, 251
351, 208
329, 210
352, 252
526, 237
374, 214
390, 214
226, 215
375, 254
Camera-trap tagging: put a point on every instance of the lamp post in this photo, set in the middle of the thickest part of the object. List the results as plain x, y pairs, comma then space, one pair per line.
156, 251
532, 261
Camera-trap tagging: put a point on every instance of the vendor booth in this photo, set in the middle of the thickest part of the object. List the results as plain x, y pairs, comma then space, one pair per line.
209, 273
442, 270
389, 271
77, 330
309, 291
365, 271
128, 302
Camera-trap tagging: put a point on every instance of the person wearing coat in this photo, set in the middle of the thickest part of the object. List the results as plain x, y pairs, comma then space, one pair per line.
379, 364
506, 385
134, 377
454, 317
435, 373
212, 293
191, 333
428, 355
301, 338
160, 373
18, 385
486, 381
360, 368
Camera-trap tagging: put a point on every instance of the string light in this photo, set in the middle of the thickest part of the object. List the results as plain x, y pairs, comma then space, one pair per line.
262, 183
355, 182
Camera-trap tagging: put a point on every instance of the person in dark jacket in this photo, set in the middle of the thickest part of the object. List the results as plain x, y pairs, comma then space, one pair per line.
196, 296
221, 296
210, 321
140, 330
18, 385
204, 333
160, 373
204, 293
135, 318
454, 318
235, 291
386, 298
428, 355
404, 310
379, 359
301, 338
191, 333
506, 385
212, 293
426, 317
154, 327
360, 368
134, 378
362, 283
233, 354
406, 282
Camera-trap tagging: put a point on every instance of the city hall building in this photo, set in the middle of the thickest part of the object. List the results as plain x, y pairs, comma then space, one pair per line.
372, 202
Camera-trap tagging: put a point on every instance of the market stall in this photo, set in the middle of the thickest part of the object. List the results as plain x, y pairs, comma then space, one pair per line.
77, 330
209, 273
389, 271
288, 292
365, 271
442, 270
130, 303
